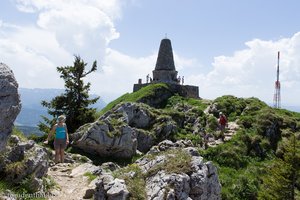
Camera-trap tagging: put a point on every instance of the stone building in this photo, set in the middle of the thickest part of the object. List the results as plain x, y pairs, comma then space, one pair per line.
165, 72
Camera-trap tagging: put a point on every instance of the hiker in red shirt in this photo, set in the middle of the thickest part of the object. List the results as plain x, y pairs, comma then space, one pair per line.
222, 124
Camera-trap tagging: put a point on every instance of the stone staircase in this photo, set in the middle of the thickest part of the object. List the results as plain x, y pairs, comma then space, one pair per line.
229, 133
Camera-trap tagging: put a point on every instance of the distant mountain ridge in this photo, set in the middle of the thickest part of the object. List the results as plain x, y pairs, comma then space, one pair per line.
32, 109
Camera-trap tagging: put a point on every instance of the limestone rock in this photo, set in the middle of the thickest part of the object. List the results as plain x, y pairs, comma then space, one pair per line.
96, 139
114, 190
25, 160
212, 109
120, 133
161, 183
117, 190
74, 158
200, 182
168, 144
10, 105
84, 168
109, 166
145, 140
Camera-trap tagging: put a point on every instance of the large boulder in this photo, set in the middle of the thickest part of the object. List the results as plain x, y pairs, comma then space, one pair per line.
10, 105
120, 132
97, 138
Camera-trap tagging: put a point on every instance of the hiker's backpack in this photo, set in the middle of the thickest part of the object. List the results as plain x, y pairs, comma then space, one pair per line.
223, 120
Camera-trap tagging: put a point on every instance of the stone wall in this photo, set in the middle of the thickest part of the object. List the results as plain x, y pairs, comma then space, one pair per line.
183, 90
165, 76
138, 86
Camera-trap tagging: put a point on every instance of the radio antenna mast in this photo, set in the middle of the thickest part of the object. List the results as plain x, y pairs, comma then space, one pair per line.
277, 99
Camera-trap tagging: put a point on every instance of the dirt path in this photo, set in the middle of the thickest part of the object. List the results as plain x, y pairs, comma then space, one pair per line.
70, 185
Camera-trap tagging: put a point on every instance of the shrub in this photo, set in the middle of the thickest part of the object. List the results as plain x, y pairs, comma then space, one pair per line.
212, 123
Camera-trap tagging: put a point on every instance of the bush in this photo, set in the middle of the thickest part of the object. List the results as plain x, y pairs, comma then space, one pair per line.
231, 106
212, 123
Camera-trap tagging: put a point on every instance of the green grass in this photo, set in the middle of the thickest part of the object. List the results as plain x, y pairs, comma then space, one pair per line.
134, 179
4, 185
49, 183
134, 97
15, 168
20, 134
90, 176
241, 162
196, 139
178, 161
177, 100
18, 191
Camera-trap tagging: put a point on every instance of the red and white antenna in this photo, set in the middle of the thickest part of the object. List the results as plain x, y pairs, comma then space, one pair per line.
277, 99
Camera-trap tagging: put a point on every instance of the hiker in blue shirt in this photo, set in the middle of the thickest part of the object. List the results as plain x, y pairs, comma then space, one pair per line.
61, 139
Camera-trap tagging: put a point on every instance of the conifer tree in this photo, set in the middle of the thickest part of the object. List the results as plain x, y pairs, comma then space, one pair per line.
74, 102
282, 178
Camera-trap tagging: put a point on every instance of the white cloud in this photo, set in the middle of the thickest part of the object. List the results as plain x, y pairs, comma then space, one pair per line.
63, 28
85, 27
33, 62
120, 72
252, 71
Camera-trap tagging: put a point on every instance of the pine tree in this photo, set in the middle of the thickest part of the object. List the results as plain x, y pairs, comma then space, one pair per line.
282, 176
74, 102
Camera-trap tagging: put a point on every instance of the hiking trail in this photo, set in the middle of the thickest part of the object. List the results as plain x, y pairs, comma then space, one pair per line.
229, 133
71, 182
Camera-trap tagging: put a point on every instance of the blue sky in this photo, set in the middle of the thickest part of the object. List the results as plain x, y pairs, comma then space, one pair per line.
224, 47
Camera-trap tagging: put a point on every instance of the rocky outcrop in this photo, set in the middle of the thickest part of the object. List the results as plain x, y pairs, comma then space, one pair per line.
201, 182
198, 179
24, 161
124, 130
10, 105
98, 138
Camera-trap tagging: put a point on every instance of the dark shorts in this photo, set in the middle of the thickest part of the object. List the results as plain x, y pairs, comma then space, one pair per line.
222, 127
60, 143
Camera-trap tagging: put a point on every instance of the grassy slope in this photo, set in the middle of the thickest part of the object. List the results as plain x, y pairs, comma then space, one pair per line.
243, 160
134, 97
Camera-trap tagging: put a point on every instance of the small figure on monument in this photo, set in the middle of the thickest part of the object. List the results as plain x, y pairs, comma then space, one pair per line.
179, 79
147, 78
150, 80
182, 80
